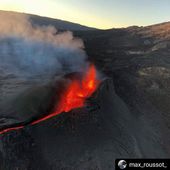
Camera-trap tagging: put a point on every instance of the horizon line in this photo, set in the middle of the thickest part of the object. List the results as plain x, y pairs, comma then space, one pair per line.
88, 26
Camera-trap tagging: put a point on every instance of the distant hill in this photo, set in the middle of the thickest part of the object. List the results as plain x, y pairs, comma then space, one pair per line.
59, 24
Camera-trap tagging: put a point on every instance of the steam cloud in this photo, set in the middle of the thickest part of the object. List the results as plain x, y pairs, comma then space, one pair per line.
27, 50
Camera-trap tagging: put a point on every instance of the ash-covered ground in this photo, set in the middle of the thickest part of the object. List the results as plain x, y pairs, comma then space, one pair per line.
127, 117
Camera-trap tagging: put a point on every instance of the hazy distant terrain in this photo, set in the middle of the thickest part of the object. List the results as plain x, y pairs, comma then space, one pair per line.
59, 24
135, 56
128, 117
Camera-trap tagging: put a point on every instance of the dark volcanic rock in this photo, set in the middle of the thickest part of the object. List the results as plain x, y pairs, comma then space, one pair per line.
88, 138
129, 116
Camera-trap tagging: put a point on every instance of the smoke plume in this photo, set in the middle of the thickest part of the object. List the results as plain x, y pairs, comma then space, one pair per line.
27, 50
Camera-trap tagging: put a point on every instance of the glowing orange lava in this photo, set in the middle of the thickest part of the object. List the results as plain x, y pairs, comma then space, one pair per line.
74, 96
11, 129
77, 92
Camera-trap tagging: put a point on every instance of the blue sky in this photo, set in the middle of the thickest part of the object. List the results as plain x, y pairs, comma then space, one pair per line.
96, 13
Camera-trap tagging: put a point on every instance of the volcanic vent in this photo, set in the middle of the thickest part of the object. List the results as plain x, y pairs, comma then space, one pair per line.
34, 64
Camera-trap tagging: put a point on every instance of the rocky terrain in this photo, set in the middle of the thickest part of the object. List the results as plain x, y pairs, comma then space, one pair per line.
127, 117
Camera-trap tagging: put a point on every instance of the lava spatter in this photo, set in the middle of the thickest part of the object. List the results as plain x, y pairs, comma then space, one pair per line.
73, 97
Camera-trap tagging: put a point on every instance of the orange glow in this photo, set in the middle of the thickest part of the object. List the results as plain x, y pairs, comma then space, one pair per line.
74, 96
11, 129
79, 91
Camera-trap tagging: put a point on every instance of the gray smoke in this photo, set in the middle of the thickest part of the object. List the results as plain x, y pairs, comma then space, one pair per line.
27, 50
32, 60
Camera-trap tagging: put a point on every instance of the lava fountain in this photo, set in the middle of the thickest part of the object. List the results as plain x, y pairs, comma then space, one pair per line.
73, 97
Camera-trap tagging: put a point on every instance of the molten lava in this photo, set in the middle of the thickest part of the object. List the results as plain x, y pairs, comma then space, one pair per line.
74, 96
79, 91
11, 129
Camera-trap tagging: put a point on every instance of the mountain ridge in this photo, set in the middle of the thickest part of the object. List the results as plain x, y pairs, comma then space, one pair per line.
58, 23
68, 25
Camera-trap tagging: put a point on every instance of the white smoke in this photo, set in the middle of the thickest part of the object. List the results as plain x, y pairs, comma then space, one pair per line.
28, 50
19, 25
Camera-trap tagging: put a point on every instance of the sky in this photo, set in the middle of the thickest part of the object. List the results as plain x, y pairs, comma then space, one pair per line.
103, 14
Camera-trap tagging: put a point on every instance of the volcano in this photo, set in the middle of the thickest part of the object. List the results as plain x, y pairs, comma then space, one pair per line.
123, 115
74, 96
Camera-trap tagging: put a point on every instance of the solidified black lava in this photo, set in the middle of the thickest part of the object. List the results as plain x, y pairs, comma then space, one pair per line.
128, 116
88, 138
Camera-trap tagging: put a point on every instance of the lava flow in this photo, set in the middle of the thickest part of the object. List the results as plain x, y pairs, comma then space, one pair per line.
74, 96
